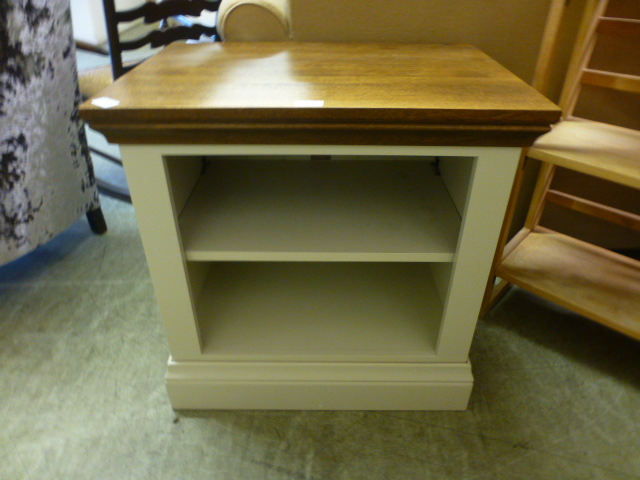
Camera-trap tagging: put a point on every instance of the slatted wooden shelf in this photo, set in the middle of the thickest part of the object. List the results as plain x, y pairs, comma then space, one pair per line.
594, 148
597, 283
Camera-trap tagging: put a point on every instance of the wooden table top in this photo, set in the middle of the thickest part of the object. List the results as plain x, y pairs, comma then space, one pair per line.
322, 93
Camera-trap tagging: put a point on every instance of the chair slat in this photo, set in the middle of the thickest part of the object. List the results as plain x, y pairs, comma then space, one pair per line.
158, 38
154, 12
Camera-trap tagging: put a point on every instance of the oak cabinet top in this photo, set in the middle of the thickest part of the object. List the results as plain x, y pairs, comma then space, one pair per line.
336, 93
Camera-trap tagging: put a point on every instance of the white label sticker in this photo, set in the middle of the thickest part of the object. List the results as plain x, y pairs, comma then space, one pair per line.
105, 102
308, 103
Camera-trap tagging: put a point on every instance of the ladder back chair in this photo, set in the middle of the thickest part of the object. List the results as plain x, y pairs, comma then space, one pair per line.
174, 20
164, 22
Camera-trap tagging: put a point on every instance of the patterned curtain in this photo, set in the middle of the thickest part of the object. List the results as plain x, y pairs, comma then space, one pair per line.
46, 176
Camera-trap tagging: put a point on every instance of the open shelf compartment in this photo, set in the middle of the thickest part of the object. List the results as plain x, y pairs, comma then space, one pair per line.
377, 209
337, 311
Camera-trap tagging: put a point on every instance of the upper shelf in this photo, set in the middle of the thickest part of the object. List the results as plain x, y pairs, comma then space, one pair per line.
322, 93
594, 148
296, 210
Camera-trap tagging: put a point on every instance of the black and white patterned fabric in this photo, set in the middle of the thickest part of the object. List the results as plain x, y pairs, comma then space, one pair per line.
46, 176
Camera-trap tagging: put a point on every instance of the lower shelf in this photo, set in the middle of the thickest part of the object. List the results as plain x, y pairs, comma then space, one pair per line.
592, 281
298, 311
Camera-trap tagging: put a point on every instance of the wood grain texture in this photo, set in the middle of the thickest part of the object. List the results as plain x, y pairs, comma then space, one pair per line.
594, 282
594, 209
594, 148
371, 93
614, 81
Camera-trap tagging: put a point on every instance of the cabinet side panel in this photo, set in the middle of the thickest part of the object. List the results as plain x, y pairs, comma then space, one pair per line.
456, 174
481, 222
184, 173
151, 193
441, 272
198, 272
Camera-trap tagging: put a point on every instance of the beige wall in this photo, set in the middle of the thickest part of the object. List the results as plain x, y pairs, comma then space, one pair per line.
508, 30
87, 17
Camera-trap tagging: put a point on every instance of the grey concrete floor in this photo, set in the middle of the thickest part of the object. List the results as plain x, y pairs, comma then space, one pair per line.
82, 362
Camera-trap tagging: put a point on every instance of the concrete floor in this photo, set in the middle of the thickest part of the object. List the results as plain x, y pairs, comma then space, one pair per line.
82, 361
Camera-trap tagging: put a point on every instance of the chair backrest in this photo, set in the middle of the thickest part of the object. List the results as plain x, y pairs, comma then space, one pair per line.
172, 20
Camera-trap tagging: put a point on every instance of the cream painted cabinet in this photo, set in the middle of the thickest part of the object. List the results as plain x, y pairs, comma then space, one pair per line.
287, 281
320, 219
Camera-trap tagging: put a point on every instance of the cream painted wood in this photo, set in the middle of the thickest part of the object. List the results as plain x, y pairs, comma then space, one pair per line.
319, 386
456, 174
321, 371
320, 311
198, 273
196, 394
487, 199
183, 172
313, 332
155, 211
344, 210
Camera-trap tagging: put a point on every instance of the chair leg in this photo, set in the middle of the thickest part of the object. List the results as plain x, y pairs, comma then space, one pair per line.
96, 220
114, 190
109, 157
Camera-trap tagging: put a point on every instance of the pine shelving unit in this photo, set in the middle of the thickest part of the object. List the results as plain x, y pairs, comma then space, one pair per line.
598, 283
